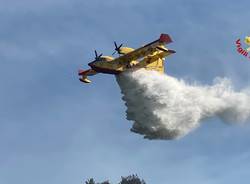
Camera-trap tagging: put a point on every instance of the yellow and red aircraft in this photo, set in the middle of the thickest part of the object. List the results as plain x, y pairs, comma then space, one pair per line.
150, 57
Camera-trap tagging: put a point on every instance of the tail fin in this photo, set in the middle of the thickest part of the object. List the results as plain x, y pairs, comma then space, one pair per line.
165, 38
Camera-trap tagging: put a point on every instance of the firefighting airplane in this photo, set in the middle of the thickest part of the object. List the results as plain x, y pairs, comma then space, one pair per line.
150, 57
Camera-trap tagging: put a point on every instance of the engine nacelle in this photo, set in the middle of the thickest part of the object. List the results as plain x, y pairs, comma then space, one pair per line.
125, 50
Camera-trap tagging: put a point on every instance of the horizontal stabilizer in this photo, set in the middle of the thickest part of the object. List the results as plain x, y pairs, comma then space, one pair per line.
171, 51
166, 50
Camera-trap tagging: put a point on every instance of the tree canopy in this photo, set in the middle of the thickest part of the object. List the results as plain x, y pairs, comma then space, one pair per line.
132, 179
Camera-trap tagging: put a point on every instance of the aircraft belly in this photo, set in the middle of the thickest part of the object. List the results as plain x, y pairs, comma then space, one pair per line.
107, 67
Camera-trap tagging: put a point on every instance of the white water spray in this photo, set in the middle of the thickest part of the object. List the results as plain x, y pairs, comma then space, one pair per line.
163, 107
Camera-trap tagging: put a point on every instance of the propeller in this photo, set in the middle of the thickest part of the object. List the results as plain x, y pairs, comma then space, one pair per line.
117, 48
97, 57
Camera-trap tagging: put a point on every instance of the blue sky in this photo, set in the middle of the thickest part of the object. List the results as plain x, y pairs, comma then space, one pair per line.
53, 129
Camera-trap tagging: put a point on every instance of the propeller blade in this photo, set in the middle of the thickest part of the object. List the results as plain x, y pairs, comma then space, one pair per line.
117, 48
97, 56
115, 44
120, 46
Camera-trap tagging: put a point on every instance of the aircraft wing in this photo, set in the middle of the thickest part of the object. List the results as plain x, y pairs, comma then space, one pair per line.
84, 75
88, 72
145, 50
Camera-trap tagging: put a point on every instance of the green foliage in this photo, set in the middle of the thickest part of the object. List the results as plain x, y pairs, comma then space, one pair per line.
132, 179
90, 181
105, 182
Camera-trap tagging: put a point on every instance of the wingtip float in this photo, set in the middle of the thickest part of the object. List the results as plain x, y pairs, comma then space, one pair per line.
150, 57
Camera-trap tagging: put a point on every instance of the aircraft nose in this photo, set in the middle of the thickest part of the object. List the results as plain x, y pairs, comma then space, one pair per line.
91, 64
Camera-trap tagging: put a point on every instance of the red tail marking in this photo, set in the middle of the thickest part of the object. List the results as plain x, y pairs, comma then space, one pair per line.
165, 38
